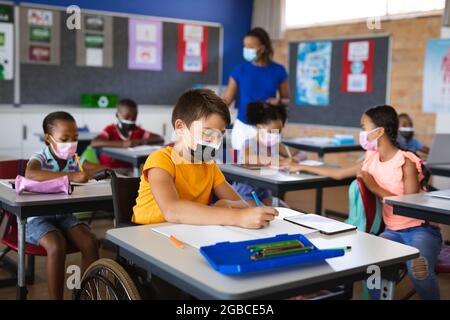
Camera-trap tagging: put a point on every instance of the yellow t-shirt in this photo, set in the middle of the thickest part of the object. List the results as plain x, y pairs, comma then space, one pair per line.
194, 182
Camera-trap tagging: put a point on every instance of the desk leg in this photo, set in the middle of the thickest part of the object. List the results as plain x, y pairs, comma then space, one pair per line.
321, 156
387, 289
319, 194
21, 293
388, 281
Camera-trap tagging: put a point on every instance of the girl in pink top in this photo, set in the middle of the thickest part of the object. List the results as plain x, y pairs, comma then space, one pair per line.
389, 171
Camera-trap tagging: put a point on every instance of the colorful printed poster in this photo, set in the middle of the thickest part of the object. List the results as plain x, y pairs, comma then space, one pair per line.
313, 73
357, 66
6, 42
94, 23
145, 45
436, 81
93, 40
40, 34
40, 17
192, 48
94, 57
40, 53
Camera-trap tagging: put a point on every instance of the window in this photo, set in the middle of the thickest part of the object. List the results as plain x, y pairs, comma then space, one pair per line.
305, 12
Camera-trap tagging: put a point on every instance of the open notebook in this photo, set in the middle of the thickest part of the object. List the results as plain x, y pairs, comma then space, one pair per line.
323, 224
199, 236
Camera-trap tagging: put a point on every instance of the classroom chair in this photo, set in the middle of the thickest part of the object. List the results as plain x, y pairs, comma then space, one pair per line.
9, 170
124, 192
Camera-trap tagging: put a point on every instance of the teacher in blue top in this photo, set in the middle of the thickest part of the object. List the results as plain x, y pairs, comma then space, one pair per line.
259, 78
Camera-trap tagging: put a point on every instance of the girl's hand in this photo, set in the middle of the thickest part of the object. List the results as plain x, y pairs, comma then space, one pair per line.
80, 177
368, 180
285, 162
294, 167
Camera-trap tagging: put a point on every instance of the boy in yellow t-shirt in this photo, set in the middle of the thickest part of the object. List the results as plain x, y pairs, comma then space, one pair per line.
178, 182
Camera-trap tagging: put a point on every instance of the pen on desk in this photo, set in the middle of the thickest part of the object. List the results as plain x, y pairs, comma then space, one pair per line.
177, 243
338, 248
79, 163
288, 151
257, 201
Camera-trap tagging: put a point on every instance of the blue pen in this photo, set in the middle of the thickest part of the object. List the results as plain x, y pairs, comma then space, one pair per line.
257, 201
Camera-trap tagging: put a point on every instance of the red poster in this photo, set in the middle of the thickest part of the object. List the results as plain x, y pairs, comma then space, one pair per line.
357, 67
39, 53
192, 48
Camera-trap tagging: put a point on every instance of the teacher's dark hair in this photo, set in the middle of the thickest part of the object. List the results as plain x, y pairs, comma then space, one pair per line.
264, 39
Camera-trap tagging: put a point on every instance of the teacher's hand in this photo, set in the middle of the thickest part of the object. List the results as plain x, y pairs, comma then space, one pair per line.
273, 101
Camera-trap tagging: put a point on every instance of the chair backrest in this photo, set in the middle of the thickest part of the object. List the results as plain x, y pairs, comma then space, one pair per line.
9, 169
124, 192
370, 205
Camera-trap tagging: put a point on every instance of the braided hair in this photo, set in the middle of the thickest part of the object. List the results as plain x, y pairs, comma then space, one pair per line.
386, 117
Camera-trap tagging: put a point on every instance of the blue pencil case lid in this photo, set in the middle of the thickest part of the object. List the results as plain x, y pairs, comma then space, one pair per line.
234, 257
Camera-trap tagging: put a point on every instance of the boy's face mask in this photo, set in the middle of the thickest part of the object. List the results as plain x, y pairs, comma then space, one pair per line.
204, 151
64, 150
202, 147
406, 132
126, 125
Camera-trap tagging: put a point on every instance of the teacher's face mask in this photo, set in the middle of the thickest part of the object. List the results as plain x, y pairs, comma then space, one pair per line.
250, 54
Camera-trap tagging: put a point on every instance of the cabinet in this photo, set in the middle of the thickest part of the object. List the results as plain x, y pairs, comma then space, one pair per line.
20, 128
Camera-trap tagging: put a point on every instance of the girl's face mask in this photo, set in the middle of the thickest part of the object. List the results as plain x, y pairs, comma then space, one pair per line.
269, 139
64, 150
365, 143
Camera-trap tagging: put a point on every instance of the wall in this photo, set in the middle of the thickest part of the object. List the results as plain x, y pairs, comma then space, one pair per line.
234, 15
408, 51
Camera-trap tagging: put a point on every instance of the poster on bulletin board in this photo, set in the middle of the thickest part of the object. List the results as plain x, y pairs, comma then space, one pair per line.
145, 44
313, 73
357, 68
6, 42
436, 81
192, 48
40, 36
94, 41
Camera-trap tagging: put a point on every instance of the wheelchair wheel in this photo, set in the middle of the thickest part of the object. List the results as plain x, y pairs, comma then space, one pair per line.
105, 279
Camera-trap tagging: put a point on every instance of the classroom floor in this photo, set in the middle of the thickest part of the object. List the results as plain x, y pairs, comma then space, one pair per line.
300, 200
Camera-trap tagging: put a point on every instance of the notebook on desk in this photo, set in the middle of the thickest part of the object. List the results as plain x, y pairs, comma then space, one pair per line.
199, 236
322, 224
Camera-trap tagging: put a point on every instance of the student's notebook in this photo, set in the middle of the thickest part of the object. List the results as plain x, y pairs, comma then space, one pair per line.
199, 236
322, 224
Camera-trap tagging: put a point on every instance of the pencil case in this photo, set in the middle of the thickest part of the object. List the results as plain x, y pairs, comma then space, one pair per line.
234, 257
58, 185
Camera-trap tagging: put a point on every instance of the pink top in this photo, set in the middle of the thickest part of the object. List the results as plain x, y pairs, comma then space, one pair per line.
389, 176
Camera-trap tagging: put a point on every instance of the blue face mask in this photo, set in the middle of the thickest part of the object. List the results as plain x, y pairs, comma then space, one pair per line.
250, 54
